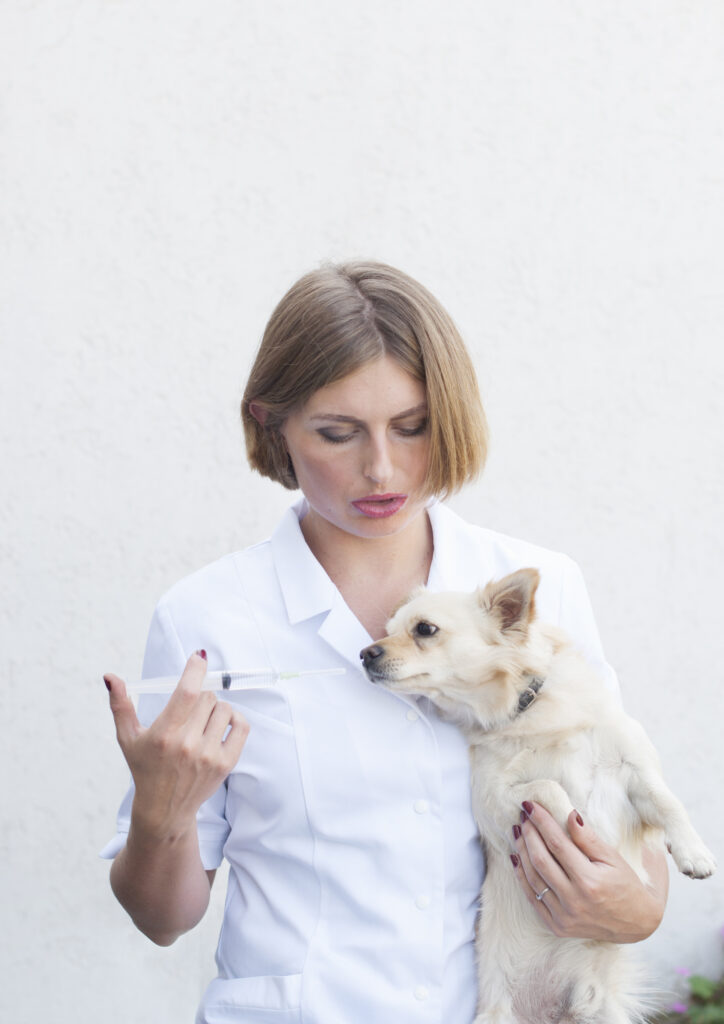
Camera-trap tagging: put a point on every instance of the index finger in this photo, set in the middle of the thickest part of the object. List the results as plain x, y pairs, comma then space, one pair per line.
122, 709
183, 699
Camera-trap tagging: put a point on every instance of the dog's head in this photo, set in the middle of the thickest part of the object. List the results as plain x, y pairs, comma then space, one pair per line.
466, 652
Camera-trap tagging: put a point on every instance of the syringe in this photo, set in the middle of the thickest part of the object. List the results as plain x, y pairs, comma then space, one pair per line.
227, 679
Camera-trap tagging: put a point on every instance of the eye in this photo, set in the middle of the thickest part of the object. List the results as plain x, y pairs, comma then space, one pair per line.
415, 431
335, 438
425, 629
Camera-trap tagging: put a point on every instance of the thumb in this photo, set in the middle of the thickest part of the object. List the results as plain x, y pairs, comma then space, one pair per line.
589, 842
122, 709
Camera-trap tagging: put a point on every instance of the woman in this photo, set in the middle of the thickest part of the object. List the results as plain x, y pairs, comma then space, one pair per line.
343, 809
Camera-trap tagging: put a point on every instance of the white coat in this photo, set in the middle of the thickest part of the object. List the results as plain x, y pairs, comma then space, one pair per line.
355, 864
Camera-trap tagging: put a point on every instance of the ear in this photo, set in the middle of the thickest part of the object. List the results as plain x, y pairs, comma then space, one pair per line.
512, 600
259, 412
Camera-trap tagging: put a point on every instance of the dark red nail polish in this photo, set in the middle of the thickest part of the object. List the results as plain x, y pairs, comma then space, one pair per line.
515, 860
202, 654
528, 807
108, 685
516, 832
579, 819
523, 817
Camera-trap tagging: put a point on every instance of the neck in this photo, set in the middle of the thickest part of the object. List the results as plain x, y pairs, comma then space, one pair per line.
373, 575
404, 554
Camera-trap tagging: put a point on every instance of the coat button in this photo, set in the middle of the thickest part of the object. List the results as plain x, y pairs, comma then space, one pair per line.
412, 715
421, 993
421, 806
422, 902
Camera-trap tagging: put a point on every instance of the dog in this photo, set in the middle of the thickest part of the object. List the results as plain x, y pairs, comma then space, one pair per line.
541, 727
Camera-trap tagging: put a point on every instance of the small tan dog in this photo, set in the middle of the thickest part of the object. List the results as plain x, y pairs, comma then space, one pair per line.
542, 728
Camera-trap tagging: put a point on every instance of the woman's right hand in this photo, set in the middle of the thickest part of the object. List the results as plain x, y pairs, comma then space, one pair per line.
182, 758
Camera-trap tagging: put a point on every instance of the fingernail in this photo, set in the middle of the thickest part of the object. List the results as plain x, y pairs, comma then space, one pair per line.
201, 654
528, 807
523, 817
515, 860
108, 685
516, 832
579, 819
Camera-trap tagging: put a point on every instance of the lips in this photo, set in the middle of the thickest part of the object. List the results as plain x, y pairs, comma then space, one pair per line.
379, 506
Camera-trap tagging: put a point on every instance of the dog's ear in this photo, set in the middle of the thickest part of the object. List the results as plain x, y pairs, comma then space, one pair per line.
511, 601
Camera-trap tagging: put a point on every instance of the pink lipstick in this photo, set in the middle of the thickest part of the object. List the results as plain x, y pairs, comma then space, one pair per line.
379, 506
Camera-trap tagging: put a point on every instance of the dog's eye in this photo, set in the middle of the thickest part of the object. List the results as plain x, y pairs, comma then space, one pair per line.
425, 629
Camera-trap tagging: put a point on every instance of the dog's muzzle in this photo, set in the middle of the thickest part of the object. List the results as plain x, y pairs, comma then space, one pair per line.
369, 656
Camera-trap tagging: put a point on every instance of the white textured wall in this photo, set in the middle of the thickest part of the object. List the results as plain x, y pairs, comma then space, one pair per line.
553, 170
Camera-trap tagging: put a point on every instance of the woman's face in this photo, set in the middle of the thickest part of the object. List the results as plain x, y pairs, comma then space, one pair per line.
360, 451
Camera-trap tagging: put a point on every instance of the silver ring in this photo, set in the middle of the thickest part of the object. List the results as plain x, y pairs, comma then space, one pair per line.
540, 895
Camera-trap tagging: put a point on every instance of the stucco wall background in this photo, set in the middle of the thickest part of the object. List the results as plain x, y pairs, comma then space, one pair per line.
553, 171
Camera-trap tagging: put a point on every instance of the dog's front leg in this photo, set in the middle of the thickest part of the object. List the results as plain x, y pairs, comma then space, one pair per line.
550, 794
499, 790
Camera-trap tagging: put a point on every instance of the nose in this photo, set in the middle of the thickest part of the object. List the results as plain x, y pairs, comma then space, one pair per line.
369, 654
378, 462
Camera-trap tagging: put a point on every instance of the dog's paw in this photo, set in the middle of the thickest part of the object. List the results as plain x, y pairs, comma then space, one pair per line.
694, 860
549, 794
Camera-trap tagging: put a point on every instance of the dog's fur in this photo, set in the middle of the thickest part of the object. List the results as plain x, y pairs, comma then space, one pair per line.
473, 655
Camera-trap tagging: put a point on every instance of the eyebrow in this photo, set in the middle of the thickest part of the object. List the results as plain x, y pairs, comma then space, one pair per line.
337, 418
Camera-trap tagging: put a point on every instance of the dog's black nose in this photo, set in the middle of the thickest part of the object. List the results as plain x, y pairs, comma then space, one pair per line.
369, 654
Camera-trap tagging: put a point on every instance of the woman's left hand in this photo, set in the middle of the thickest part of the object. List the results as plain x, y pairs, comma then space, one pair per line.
593, 893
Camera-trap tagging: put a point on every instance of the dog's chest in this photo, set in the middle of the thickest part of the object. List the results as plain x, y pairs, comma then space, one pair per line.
499, 765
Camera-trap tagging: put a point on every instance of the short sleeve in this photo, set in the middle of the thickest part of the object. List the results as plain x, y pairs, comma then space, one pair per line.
165, 656
575, 617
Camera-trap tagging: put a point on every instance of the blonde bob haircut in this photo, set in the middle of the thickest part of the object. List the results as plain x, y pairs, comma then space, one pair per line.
336, 320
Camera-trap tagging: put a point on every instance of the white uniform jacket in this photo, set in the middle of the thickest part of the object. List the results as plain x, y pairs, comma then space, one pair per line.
355, 864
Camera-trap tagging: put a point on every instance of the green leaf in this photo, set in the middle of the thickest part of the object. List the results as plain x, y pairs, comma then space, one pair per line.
706, 1014
701, 987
